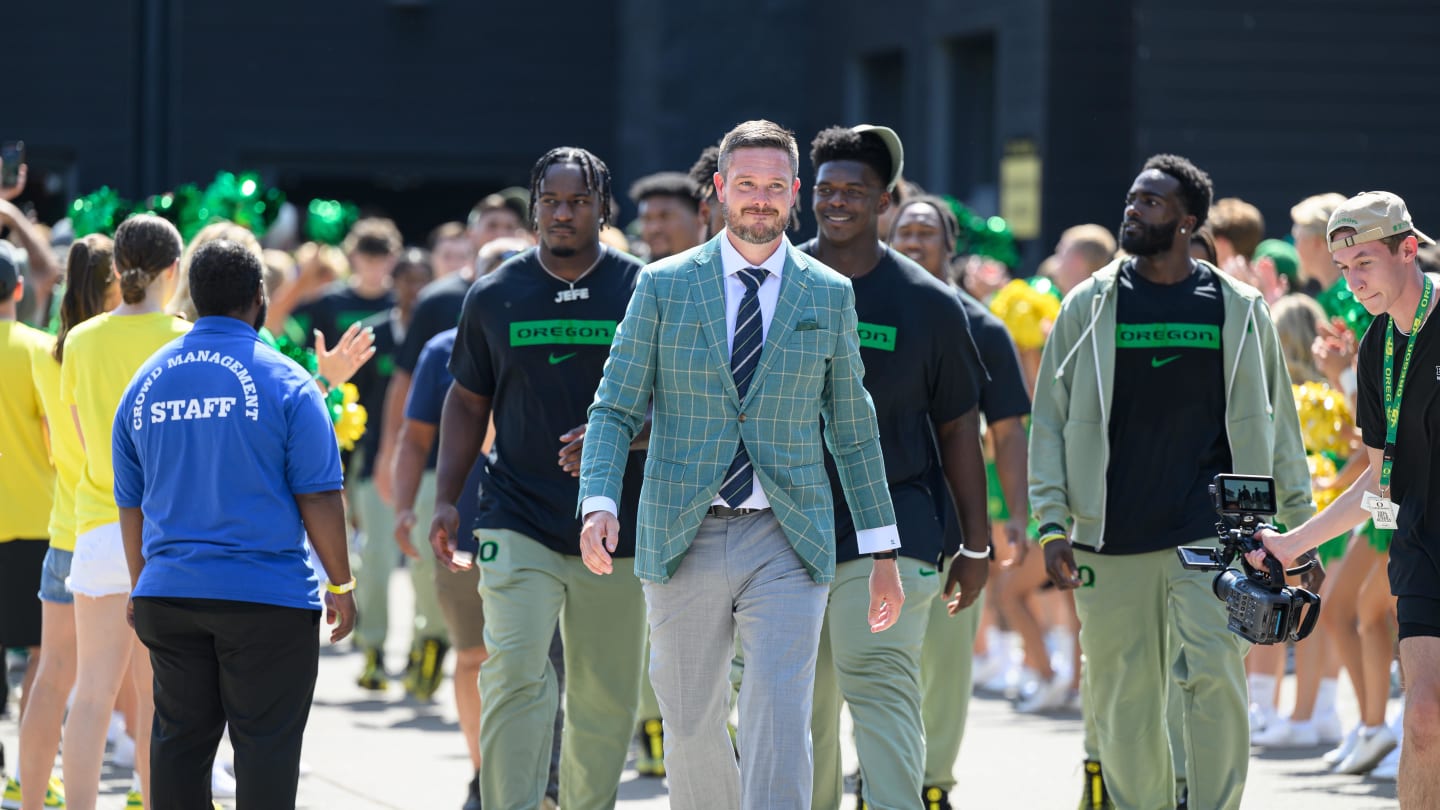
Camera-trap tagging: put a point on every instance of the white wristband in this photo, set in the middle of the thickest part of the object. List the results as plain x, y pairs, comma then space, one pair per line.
976, 555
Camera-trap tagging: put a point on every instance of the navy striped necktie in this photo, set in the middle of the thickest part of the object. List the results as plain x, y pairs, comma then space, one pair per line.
744, 357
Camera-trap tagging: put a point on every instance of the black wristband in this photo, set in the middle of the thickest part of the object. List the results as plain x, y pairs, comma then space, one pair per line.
892, 554
1053, 528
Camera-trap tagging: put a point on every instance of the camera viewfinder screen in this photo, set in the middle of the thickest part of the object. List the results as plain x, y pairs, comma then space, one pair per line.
1248, 495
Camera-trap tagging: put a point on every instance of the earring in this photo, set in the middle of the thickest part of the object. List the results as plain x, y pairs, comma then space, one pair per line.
1182, 230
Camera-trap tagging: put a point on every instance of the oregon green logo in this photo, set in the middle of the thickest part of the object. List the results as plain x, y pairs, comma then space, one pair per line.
1167, 336
875, 336
489, 550
562, 332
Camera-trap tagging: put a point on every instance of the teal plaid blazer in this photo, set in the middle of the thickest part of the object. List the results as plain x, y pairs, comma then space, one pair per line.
672, 350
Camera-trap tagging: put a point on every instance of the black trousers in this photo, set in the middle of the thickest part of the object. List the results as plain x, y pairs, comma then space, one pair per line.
219, 661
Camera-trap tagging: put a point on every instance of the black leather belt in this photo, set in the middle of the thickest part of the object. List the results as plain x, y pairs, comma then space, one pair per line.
727, 513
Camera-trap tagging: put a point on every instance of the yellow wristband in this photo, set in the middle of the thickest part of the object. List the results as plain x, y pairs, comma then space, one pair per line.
338, 589
1050, 538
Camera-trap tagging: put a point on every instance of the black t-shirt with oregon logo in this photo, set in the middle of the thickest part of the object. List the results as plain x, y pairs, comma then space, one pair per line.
1415, 475
536, 346
335, 310
922, 370
371, 382
1167, 412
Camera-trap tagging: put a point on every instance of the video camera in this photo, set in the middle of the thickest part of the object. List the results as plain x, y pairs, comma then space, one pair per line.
1263, 610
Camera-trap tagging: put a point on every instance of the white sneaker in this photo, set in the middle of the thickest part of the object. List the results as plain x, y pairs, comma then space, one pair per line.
1338, 754
116, 729
1285, 733
984, 668
1261, 717
1048, 695
1328, 728
222, 784
1389, 768
122, 755
1368, 752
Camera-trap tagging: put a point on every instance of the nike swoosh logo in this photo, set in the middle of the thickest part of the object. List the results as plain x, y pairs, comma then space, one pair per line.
562, 358
927, 572
1154, 361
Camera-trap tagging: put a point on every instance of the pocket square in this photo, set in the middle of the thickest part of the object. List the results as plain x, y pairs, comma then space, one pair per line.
806, 326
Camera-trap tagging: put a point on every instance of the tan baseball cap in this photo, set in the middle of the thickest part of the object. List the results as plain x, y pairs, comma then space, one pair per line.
1373, 215
888, 137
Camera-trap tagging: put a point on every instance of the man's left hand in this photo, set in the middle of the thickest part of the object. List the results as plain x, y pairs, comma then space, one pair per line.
964, 582
574, 440
340, 607
887, 595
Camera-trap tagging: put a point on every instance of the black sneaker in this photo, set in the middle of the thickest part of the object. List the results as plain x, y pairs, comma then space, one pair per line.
650, 742
373, 675
472, 801
427, 668
935, 798
1095, 796
1184, 803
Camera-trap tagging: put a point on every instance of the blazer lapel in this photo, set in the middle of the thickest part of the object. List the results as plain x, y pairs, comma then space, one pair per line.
792, 294
707, 291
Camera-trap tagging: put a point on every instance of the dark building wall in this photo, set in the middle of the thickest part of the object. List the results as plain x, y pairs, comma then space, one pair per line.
1088, 150
73, 97
1278, 101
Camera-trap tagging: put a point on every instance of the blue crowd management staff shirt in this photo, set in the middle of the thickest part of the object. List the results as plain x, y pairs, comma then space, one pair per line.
214, 438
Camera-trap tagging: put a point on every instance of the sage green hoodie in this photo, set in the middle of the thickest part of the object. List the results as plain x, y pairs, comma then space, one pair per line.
1070, 436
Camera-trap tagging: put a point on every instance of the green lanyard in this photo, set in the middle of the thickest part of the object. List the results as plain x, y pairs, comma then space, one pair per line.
1393, 390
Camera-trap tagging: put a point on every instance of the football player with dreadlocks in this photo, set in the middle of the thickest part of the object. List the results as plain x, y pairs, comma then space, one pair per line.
532, 342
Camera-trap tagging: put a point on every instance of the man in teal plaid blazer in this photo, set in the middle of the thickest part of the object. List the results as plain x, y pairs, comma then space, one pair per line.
738, 348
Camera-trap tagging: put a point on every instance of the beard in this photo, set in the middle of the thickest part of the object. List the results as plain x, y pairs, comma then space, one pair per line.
562, 252
1151, 240
758, 234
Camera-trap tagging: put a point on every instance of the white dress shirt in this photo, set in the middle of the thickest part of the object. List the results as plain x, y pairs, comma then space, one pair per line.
731, 263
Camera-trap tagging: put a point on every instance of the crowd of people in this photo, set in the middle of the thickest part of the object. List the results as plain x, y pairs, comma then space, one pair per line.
608, 460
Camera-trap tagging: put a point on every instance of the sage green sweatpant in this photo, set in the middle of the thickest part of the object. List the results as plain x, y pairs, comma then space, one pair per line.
1148, 626
945, 679
878, 675
376, 557
527, 588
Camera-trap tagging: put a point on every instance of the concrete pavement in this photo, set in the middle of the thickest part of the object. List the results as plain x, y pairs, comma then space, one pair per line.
366, 752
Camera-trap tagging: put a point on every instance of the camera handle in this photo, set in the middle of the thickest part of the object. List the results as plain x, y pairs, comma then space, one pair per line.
1274, 573
1312, 614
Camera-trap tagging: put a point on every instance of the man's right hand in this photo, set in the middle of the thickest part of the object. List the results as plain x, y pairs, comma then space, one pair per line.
598, 539
404, 524
1060, 565
444, 529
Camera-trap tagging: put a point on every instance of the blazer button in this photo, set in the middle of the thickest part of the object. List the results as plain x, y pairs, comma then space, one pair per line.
742, 417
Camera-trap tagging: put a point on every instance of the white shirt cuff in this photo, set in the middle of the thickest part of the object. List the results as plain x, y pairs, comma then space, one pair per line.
881, 539
598, 503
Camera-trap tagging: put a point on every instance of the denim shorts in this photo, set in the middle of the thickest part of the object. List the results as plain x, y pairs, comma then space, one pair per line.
53, 575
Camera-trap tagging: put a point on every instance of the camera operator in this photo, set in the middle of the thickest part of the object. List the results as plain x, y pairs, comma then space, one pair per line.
1160, 372
1374, 244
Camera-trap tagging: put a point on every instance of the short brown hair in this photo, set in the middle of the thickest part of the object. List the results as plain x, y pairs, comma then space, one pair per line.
759, 134
374, 236
145, 247
1312, 214
444, 233
1239, 223
1095, 243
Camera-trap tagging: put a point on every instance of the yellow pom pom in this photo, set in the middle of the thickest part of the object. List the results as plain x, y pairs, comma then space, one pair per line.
1323, 467
351, 424
1027, 313
1325, 421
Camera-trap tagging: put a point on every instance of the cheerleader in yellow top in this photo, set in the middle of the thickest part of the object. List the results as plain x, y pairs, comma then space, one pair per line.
101, 355
91, 287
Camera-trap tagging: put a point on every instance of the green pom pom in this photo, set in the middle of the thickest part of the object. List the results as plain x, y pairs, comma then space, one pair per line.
327, 221
980, 236
100, 211
241, 199
1044, 285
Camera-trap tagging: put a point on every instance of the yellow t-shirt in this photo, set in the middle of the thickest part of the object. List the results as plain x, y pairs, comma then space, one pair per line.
101, 356
26, 477
65, 451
